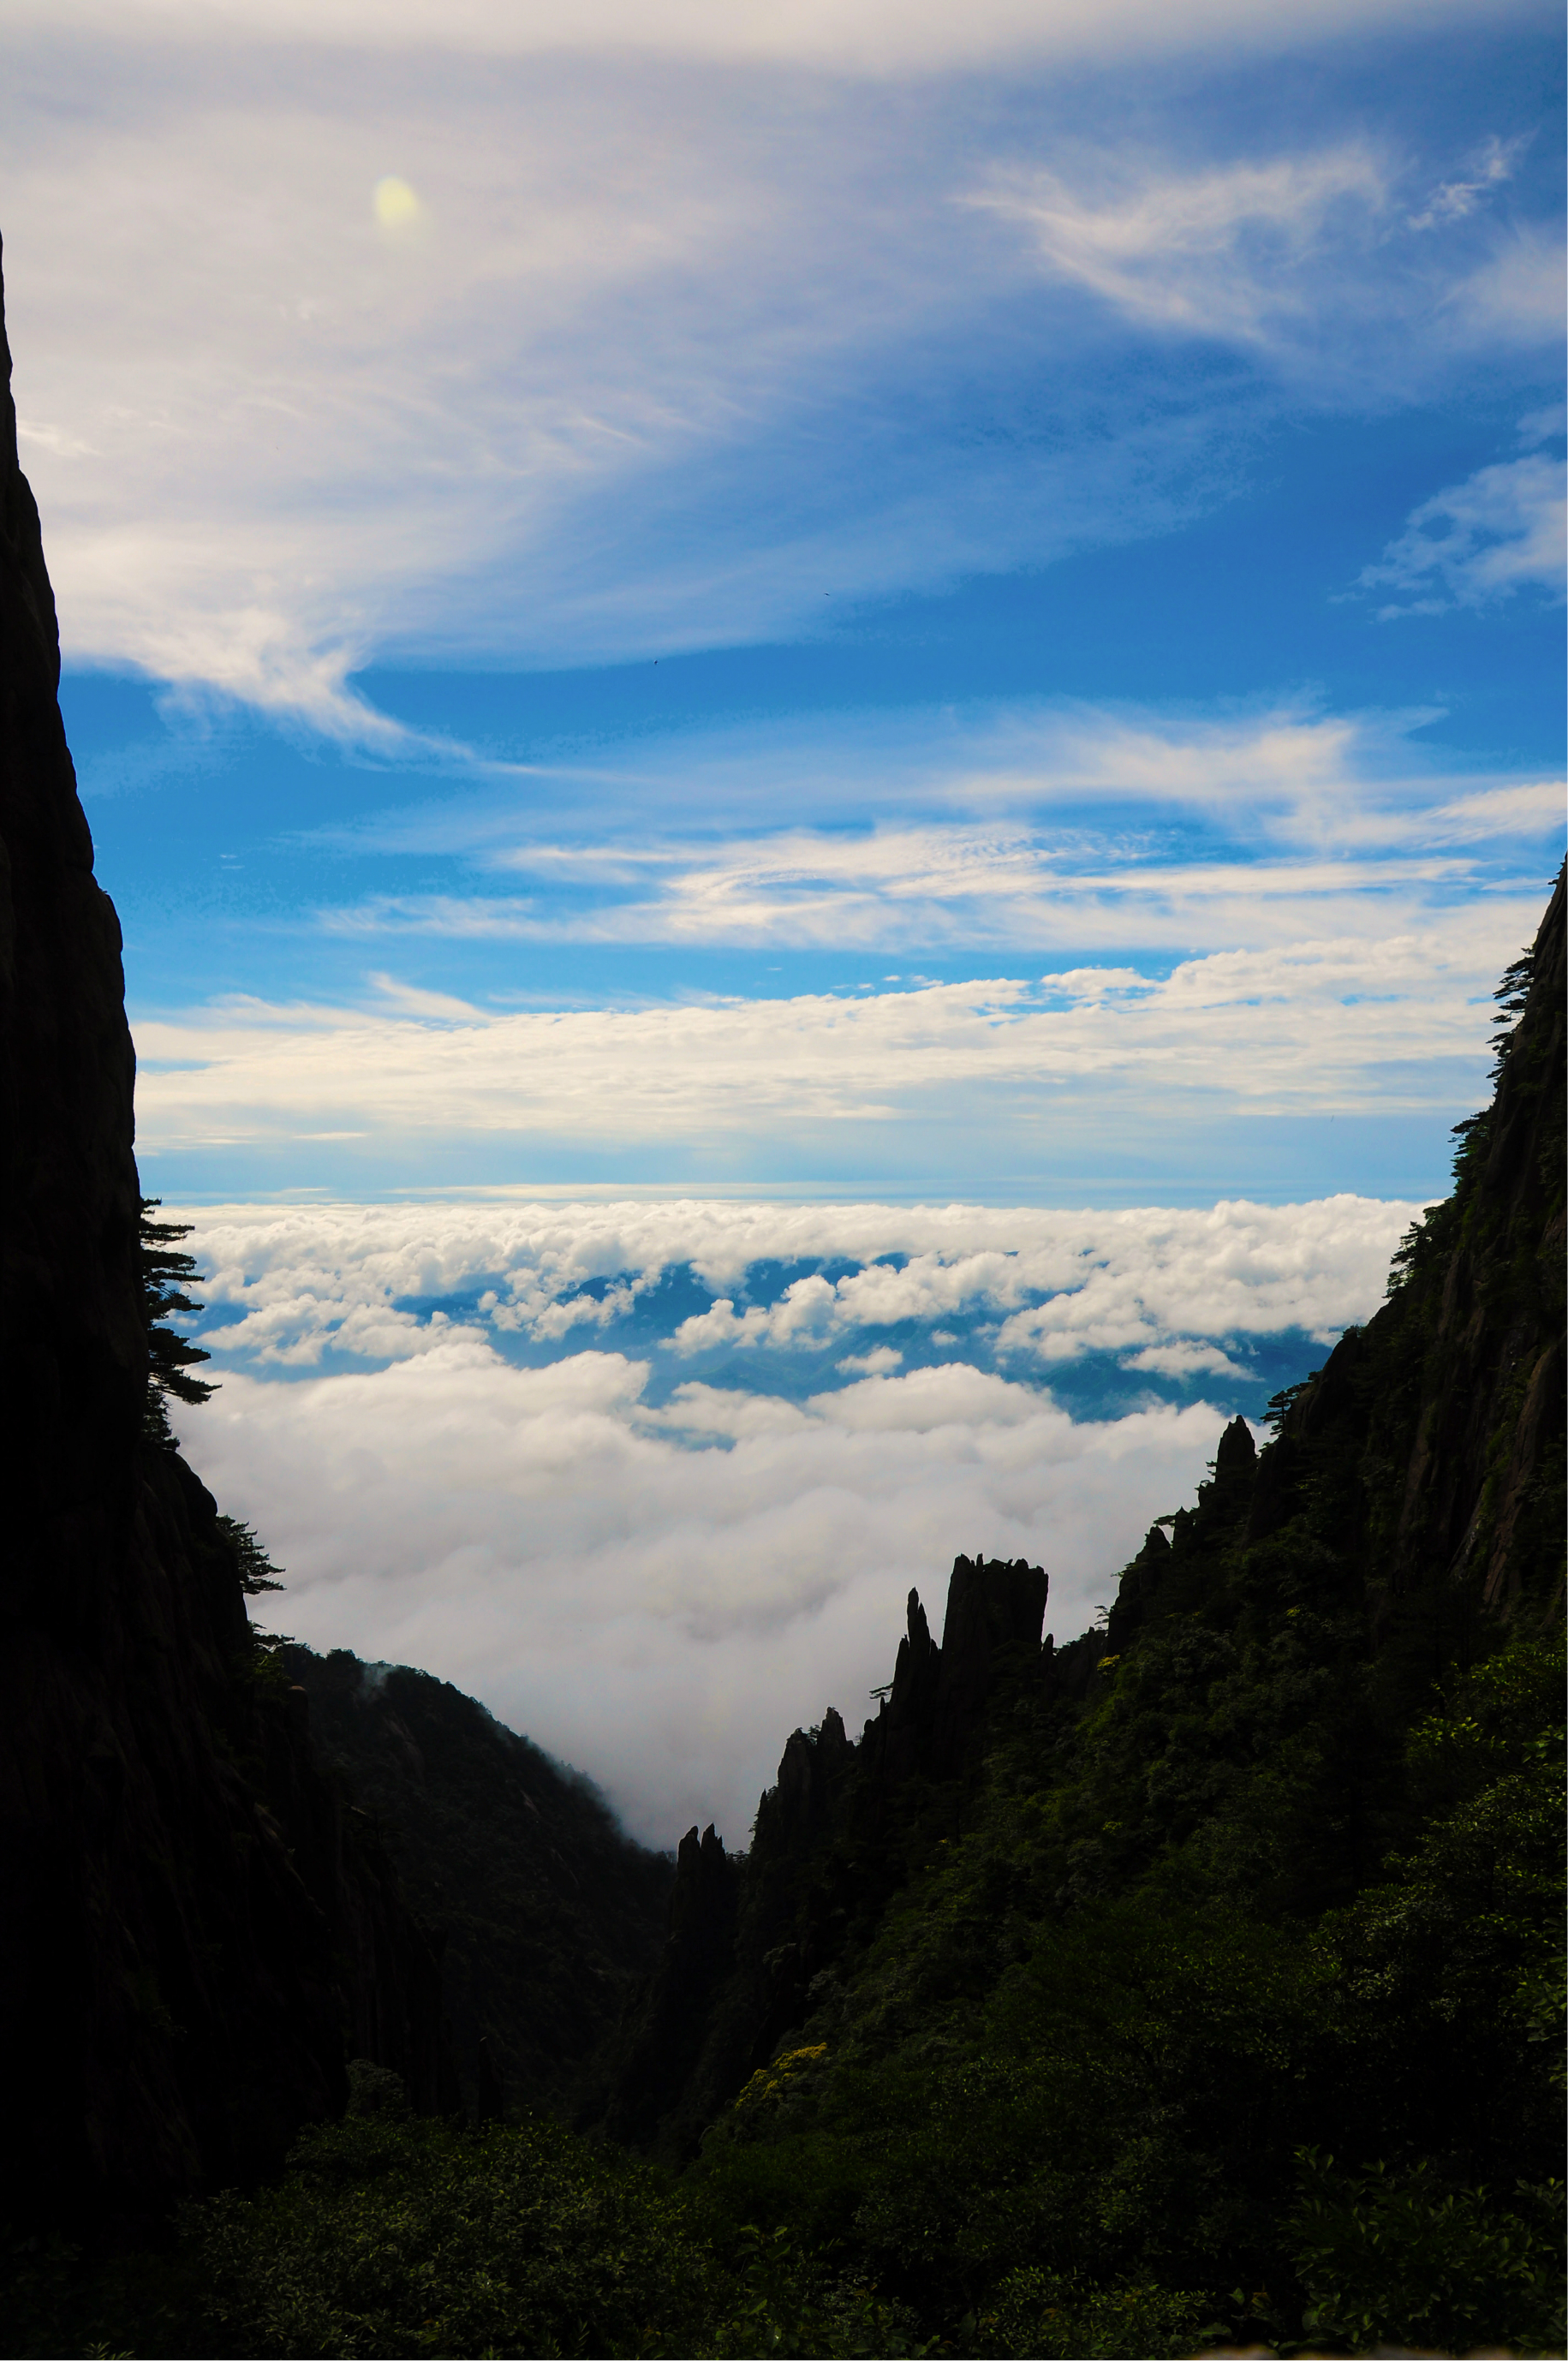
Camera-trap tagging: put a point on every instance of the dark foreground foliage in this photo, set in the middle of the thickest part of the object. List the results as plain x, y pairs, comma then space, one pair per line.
392, 2235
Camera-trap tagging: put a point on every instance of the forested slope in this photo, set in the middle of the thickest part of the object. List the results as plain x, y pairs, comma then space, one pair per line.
546, 1913
1271, 1864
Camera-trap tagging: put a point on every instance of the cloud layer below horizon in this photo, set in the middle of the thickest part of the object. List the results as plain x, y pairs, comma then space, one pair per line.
652, 1479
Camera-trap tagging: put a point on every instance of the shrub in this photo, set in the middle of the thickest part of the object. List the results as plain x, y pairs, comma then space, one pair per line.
411, 2237
1386, 2260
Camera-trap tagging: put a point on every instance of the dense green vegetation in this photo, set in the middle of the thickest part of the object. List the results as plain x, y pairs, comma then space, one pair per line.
1075, 2040
1214, 1990
393, 2234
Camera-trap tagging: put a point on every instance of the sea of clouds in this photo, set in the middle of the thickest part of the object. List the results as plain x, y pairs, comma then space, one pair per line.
652, 1478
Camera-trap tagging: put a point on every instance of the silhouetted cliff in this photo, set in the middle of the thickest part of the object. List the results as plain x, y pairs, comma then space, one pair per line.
750, 1941
192, 1928
550, 1915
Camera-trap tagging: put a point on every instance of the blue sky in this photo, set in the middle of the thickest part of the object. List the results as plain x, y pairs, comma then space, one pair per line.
721, 510
807, 615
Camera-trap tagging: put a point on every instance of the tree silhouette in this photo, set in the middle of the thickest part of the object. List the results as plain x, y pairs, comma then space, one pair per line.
165, 1273
256, 1571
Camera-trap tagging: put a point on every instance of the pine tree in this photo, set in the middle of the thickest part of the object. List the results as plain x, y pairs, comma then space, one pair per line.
165, 1273
256, 1571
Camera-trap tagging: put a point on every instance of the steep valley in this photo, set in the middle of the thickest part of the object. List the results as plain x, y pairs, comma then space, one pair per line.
1197, 1979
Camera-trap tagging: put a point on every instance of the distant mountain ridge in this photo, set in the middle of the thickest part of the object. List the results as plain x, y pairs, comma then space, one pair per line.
547, 1914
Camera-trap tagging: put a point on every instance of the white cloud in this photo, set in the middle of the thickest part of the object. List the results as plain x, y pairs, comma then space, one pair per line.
662, 1611
1303, 257
805, 1310
269, 436
954, 1399
1185, 1361
1516, 296
871, 37
1364, 1022
1217, 252
303, 1279
1493, 812
1455, 199
274, 435
1503, 530
271, 440
704, 1410
660, 1593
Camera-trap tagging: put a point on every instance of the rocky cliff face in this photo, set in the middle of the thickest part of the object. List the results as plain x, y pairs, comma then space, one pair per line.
750, 1940
1482, 1324
1450, 1401
191, 1929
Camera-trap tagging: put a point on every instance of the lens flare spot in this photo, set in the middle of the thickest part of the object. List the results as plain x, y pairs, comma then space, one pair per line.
397, 206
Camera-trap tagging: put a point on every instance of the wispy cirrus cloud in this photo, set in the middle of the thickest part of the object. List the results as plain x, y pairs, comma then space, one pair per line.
1491, 812
1213, 252
1024, 828
1504, 530
1515, 296
1281, 769
613, 381
935, 891
1312, 258
1456, 199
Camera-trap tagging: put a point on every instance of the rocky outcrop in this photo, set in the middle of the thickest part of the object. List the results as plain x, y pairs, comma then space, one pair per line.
749, 1941
995, 1610
898, 1741
792, 1815
933, 1712
190, 1928
672, 2024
